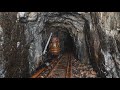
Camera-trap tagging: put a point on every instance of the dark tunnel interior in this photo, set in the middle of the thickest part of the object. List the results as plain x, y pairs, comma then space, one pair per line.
69, 44
66, 41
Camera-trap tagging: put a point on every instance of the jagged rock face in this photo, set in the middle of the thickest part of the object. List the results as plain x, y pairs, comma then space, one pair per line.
13, 55
95, 37
37, 34
1, 53
105, 36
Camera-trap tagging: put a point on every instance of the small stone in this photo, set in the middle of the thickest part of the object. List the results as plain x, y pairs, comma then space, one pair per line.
47, 64
42, 77
32, 16
93, 72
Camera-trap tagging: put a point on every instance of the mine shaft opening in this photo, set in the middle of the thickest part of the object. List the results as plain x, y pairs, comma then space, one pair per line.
65, 41
69, 42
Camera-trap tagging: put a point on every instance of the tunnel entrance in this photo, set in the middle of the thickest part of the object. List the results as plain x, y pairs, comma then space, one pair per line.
65, 40
72, 61
67, 66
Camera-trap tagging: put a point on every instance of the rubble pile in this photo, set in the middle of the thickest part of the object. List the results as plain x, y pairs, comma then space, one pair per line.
80, 70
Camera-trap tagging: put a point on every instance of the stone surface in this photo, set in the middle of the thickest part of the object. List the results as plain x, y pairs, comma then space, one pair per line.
96, 38
14, 59
106, 38
2, 74
37, 33
88, 35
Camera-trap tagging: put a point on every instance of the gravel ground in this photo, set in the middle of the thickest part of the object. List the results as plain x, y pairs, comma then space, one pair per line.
81, 70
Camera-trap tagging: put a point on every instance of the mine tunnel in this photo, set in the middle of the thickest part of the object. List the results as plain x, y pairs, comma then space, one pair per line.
59, 45
65, 39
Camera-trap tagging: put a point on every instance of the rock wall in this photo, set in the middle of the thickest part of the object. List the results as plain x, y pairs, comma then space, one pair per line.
2, 74
34, 41
105, 43
14, 52
73, 23
23, 37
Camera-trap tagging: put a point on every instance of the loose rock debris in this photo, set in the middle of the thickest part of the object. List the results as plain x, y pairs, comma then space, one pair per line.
60, 69
82, 70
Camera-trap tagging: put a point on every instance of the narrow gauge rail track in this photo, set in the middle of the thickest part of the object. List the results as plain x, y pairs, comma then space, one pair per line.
58, 68
66, 67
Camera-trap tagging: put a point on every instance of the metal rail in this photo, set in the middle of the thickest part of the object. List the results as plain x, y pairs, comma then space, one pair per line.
36, 75
64, 62
53, 68
69, 67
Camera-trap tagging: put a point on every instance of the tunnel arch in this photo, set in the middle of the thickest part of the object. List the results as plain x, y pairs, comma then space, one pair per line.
71, 25
36, 35
62, 33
